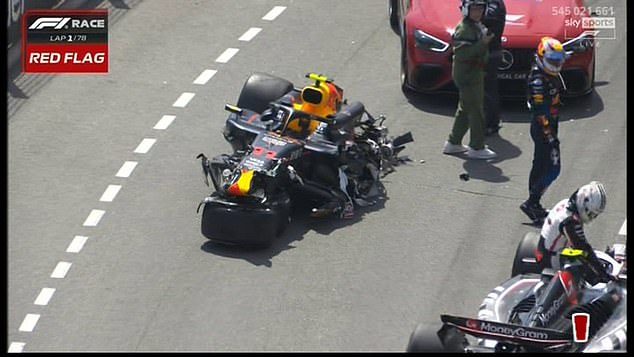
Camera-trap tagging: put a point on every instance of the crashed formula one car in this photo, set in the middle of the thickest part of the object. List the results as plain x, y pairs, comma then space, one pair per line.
533, 312
292, 146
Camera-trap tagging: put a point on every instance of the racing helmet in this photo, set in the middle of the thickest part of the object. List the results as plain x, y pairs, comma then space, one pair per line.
589, 201
550, 55
322, 99
466, 5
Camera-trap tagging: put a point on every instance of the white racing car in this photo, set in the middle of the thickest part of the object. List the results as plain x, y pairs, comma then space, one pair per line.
533, 311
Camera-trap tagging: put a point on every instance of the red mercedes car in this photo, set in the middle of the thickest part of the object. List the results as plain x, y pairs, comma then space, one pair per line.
425, 28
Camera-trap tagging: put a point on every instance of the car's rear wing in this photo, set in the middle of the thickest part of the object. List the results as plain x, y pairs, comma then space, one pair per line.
533, 336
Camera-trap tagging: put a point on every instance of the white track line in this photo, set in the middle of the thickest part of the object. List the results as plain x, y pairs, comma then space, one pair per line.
61, 270
77, 244
182, 101
16, 347
623, 230
250, 34
110, 193
165, 122
204, 77
93, 218
126, 169
226, 55
144, 146
29, 322
45, 296
275, 12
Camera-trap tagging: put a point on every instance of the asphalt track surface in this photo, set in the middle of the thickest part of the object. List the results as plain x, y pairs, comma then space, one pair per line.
145, 279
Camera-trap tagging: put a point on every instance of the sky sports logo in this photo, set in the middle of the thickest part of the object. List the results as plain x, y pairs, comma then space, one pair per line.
65, 41
601, 28
598, 23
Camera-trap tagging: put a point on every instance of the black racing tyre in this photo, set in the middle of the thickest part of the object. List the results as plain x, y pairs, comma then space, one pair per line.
392, 10
253, 225
524, 261
425, 339
260, 89
453, 340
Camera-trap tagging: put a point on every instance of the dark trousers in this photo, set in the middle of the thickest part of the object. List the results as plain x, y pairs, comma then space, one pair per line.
546, 163
491, 91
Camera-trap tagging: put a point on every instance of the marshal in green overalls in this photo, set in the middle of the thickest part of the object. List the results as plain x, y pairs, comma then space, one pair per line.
471, 54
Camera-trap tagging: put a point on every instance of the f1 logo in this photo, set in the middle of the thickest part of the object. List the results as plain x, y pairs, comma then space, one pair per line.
54, 22
580, 326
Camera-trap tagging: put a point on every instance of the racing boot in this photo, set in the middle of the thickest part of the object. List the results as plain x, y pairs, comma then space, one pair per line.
534, 211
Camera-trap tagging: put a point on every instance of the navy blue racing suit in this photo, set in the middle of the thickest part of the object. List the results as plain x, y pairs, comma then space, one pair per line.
543, 100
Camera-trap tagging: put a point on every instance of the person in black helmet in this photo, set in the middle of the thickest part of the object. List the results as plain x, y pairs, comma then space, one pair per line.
494, 20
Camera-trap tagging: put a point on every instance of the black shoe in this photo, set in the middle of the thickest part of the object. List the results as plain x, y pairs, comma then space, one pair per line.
492, 130
534, 211
541, 211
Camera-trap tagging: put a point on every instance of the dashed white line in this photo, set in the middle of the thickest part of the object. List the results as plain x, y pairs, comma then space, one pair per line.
182, 101
93, 218
204, 77
77, 244
16, 347
250, 34
29, 322
61, 270
165, 122
126, 169
45, 295
144, 146
623, 230
110, 193
275, 12
226, 55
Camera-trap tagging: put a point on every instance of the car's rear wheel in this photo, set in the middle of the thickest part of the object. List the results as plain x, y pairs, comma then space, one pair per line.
425, 339
428, 338
524, 261
260, 89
